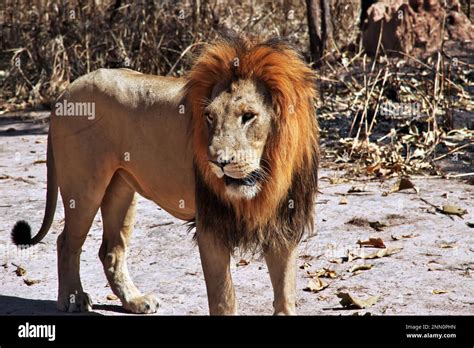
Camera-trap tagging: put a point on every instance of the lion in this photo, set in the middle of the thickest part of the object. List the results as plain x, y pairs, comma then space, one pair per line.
231, 147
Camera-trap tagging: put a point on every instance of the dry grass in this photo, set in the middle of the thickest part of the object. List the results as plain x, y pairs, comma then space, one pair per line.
46, 44
383, 142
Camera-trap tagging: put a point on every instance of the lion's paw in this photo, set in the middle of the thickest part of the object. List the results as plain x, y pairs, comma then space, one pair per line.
145, 304
75, 302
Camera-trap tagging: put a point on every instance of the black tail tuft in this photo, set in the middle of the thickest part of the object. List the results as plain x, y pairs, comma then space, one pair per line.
21, 233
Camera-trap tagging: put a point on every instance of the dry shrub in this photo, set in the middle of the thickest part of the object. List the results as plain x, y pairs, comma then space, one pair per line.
47, 44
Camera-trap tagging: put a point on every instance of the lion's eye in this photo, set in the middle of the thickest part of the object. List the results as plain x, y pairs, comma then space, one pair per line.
209, 118
247, 117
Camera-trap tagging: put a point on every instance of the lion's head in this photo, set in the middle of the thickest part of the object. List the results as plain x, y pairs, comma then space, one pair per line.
254, 127
238, 119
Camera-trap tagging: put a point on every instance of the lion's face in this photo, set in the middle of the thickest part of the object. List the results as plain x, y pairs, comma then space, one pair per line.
239, 119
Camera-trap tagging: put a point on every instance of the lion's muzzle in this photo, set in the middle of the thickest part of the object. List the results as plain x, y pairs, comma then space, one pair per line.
250, 180
235, 176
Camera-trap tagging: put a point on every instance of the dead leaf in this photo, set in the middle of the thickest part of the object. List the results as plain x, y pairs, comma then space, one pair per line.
358, 221
439, 292
404, 236
323, 273
315, 285
242, 262
20, 271
447, 209
336, 180
305, 265
30, 282
375, 255
430, 254
383, 253
351, 256
373, 242
343, 200
453, 210
307, 257
357, 189
328, 273
403, 184
338, 260
378, 225
112, 297
361, 267
374, 168
351, 302
363, 222
39, 162
447, 245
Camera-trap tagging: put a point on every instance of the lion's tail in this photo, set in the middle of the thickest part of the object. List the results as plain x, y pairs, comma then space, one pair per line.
21, 232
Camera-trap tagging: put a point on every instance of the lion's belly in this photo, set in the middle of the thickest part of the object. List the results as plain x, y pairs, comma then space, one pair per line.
177, 197
164, 174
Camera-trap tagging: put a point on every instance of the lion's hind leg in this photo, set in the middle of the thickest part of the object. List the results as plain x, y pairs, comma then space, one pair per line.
80, 207
118, 214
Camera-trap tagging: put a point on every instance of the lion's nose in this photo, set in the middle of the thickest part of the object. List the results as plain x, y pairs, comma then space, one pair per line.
226, 157
223, 163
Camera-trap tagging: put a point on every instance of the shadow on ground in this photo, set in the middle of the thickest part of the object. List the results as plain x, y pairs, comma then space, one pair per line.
13, 305
24, 124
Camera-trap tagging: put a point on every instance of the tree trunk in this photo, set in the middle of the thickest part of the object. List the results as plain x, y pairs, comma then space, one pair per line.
365, 4
319, 27
327, 24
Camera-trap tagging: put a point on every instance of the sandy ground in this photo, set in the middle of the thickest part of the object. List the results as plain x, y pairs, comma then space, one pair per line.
439, 255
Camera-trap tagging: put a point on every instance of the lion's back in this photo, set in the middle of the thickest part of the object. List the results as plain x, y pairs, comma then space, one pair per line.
129, 88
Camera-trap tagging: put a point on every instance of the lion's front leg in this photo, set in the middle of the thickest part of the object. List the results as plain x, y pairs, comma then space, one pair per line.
215, 259
118, 213
282, 268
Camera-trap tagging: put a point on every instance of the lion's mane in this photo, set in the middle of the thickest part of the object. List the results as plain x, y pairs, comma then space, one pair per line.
283, 209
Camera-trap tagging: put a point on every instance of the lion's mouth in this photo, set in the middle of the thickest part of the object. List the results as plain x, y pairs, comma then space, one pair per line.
250, 180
